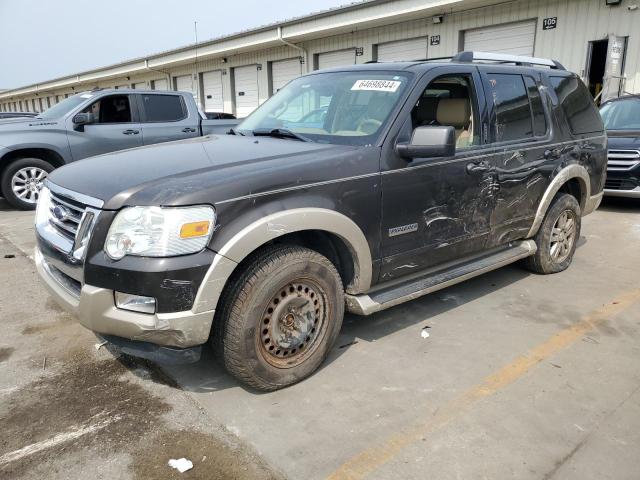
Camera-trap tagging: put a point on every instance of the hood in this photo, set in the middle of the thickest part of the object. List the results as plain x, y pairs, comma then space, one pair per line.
25, 124
199, 170
623, 140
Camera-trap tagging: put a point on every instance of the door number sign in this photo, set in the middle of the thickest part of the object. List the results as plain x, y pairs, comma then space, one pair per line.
549, 23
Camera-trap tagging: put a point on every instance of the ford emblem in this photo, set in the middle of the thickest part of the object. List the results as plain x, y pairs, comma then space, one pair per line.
60, 213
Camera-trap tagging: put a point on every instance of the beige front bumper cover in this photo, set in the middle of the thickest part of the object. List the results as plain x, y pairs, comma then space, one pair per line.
96, 310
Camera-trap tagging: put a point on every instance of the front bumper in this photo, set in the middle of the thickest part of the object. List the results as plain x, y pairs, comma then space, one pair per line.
633, 193
95, 308
592, 203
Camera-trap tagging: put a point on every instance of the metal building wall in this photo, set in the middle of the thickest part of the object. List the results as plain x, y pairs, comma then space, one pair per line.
579, 21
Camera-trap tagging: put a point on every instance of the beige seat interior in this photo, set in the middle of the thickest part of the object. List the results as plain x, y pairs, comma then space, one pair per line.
456, 112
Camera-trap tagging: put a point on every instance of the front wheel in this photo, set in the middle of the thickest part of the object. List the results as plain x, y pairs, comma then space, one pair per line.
557, 237
22, 181
279, 318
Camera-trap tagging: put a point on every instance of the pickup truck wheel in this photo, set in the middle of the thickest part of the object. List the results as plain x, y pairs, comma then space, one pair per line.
22, 181
279, 318
557, 237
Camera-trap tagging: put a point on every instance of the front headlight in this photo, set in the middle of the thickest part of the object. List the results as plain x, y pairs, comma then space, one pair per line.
159, 231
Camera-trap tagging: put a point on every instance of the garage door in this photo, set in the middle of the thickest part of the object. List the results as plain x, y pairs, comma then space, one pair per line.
284, 71
160, 84
413, 49
336, 59
512, 38
184, 83
212, 91
246, 87
140, 85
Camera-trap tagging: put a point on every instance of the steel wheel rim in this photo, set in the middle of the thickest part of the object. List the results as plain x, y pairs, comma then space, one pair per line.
293, 324
27, 182
563, 235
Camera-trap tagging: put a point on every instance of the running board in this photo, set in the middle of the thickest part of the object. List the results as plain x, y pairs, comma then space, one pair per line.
366, 304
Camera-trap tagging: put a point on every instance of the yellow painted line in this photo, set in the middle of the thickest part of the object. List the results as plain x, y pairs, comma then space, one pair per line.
372, 458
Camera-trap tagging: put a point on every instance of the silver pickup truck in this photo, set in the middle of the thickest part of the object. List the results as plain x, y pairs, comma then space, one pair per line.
92, 123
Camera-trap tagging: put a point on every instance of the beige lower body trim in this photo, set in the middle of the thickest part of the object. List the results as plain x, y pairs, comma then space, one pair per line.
592, 204
95, 309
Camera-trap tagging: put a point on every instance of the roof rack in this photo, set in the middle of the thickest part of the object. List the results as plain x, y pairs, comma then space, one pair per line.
470, 57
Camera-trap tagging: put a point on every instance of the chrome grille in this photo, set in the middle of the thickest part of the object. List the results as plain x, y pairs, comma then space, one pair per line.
65, 215
623, 159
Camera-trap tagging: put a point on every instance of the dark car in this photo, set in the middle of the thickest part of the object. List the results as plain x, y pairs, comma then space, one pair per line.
219, 116
621, 118
17, 114
421, 175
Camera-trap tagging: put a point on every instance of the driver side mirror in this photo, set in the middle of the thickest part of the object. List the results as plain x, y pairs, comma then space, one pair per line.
429, 142
82, 119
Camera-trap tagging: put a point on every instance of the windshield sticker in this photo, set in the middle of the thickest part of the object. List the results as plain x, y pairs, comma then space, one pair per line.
376, 85
86, 95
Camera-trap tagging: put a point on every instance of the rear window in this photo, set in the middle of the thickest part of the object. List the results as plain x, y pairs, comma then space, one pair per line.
577, 105
511, 104
537, 110
163, 108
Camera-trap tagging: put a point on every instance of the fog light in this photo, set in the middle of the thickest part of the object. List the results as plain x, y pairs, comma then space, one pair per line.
135, 303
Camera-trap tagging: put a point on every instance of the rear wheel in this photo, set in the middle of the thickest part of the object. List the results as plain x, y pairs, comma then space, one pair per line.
557, 237
22, 181
279, 318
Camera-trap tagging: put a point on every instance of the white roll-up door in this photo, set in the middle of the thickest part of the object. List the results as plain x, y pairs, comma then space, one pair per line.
212, 91
283, 71
160, 84
402, 50
336, 59
185, 83
140, 85
512, 38
246, 88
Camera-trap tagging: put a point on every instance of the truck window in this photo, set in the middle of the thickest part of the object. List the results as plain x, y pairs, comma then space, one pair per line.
577, 104
537, 110
163, 108
511, 107
449, 101
111, 109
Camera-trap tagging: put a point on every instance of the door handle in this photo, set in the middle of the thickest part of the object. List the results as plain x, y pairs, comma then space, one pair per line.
188, 130
131, 132
554, 153
477, 168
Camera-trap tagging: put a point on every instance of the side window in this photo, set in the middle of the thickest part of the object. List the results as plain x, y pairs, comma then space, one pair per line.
577, 104
111, 109
163, 108
450, 101
537, 110
511, 107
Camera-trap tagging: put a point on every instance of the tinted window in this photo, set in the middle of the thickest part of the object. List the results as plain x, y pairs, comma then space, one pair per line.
511, 105
577, 105
111, 109
163, 108
537, 110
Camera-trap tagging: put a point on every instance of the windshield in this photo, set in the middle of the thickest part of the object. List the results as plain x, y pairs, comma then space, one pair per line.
65, 106
622, 114
344, 107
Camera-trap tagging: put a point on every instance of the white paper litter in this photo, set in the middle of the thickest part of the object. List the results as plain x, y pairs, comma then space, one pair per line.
182, 464
424, 333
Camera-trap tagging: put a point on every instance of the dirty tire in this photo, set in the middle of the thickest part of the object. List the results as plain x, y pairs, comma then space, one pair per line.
10, 171
279, 317
544, 262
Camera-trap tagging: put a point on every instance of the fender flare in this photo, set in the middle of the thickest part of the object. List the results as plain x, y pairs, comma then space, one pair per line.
273, 226
563, 176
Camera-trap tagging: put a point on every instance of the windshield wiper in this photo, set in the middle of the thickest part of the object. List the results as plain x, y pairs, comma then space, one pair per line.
279, 133
233, 131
